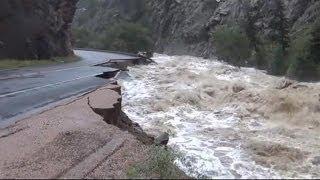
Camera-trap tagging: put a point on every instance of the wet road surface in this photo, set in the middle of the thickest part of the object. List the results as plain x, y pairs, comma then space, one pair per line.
27, 89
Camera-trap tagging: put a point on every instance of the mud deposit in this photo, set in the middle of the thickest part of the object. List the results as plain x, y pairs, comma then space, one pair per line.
227, 122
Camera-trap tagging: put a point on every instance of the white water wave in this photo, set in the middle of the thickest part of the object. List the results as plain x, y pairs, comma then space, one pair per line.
191, 99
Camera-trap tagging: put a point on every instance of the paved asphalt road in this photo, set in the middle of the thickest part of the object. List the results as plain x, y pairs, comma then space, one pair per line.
27, 89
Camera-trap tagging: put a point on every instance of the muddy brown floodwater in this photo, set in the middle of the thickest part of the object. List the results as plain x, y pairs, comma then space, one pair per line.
225, 121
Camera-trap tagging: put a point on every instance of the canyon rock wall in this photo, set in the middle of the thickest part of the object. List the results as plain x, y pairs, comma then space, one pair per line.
185, 27
36, 29
97, 15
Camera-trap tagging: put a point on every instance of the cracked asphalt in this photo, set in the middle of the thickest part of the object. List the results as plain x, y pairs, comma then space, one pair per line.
24, 90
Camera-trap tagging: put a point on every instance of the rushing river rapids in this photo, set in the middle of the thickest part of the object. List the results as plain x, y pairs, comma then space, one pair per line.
227, 122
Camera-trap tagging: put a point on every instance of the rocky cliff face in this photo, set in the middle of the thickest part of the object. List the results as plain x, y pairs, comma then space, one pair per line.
35, 29
184, 27
118, 25
97, 15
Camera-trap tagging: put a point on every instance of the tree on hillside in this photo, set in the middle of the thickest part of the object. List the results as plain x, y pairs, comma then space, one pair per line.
83, 37
251, 17
280, 26
129, 37
315, 44
232, 44
280, 37
249, 25
310, 67
306, 65
278, 66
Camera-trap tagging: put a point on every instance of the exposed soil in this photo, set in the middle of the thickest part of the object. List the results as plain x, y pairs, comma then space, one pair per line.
57, 141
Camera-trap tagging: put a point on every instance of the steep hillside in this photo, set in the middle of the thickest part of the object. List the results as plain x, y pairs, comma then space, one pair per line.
278, 36
96, 15
35, 29
185, 26
122, 25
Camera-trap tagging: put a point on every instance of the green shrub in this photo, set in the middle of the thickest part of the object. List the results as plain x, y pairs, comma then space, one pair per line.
298, 51
314, 51
262, 53
278, 65
262, 56
303, 62
82, 37
280, 26
306, 69
160, 164
231, 43
128, 37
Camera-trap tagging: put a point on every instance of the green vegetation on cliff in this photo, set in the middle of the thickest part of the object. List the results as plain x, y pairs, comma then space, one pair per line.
274, 35
232, 43
113, 25
127, 37
305, 57
298, 58
295, 55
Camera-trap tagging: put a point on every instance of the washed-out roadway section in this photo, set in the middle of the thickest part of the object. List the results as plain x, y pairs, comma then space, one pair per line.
27, 89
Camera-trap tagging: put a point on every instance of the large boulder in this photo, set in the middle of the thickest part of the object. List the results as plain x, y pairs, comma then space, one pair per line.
284, 83
162, 140
316, 161
237, 88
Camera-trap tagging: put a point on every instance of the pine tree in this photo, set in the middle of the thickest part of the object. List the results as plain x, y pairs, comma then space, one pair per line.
249, 26
306, 67
311, 65
315, 43
251, 17
280, 37
280, 26
278, 66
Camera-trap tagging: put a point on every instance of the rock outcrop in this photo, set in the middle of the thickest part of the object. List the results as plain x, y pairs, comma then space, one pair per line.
284, 83
95, 15
36, 29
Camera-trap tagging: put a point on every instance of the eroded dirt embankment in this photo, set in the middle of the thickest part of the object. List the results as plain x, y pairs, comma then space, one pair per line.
115, 116
89, 137
73, 140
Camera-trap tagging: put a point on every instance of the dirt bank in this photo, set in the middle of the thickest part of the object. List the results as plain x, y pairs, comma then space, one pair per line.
71, 141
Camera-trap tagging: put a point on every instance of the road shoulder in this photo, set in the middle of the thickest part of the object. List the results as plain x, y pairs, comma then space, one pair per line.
68, 141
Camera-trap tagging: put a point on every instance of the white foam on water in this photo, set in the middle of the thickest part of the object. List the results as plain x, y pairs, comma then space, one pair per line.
207, 138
